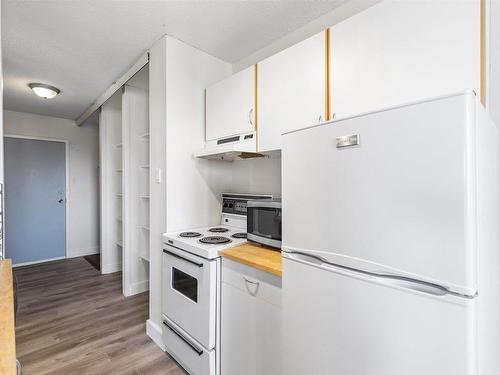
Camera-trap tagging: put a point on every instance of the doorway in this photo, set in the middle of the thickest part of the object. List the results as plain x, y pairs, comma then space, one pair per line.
35, 199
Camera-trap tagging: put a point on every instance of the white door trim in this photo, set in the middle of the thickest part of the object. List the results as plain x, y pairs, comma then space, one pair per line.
66, 163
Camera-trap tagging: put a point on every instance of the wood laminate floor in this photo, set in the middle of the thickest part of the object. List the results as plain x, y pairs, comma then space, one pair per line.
73, 320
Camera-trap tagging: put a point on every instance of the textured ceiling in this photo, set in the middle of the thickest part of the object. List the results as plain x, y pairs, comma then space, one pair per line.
81, 47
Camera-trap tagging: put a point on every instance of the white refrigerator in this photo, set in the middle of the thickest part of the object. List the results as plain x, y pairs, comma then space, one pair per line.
391, 256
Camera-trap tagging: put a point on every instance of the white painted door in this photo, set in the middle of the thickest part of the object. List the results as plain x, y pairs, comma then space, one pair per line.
401, 202
341, 322
401, 51
238, 332
291, 91
251, 321
230, 106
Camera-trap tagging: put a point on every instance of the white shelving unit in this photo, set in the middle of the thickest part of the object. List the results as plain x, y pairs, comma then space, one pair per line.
111, 161
135, 114
125, 160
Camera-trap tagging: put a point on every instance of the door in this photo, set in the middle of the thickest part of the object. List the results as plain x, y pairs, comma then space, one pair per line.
35, 199
291, 91
230, 106
190, 294
386, 56
402, 201
341, 322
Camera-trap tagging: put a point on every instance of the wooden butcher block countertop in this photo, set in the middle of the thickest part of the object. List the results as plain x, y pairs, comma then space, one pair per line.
7, 332
256, 256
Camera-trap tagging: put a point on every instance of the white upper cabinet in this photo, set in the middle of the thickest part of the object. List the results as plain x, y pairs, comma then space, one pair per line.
291, 91
230, 106
402, 51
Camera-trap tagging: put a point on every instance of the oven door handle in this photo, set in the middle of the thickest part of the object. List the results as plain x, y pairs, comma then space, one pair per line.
174, 331
182, 258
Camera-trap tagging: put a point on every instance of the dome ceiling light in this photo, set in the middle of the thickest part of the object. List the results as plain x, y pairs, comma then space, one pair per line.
44, 91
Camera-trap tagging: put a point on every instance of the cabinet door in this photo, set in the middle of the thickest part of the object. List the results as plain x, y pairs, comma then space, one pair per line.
251, 330
401, 51
230, 105
269, 339
291, 91
238, 332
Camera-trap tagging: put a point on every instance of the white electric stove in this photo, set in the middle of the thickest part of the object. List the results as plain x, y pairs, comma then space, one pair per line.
191, 284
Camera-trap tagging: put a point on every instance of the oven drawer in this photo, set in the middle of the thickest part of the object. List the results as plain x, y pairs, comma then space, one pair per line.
187, 351
190, 293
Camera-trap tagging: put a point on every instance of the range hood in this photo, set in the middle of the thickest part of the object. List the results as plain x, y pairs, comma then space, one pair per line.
242, 146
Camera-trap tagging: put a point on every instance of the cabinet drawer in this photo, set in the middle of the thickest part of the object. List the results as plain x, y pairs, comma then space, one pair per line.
255, 282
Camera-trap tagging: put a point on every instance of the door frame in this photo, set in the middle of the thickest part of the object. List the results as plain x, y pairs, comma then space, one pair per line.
66, 205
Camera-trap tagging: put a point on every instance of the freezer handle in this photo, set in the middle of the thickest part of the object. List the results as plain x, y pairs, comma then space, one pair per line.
393, 280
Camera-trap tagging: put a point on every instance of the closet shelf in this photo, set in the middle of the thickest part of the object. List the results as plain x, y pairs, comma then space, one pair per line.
119, 219
143, 227
119, 145
144, 196
145, 166
144, 257
119, 243
145, 136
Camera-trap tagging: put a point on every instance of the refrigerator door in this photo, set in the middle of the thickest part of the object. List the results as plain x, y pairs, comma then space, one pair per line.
390, 192
341, 322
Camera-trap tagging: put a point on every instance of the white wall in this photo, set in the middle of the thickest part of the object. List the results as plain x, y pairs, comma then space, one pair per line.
494, 51
257, 176
189, 192
83, 199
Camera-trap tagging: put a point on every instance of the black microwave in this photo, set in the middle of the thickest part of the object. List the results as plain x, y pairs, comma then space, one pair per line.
264, 222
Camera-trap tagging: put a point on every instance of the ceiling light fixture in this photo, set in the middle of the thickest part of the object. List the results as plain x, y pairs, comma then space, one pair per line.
43, 90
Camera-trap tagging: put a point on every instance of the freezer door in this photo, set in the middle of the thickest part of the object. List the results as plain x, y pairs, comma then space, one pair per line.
337, 322
401, 201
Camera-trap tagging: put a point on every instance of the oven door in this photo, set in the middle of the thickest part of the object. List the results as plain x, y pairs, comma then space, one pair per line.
264, 223
190, 293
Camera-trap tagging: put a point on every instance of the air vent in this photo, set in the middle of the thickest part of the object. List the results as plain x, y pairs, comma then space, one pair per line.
228, 140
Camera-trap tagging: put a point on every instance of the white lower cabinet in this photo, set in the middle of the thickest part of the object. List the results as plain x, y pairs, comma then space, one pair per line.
250, 321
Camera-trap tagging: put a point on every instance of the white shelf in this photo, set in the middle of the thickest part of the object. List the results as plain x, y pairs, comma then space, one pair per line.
119, 243
144, 257
119, 170
145, 136
119, 196
144, 197
119, 145
143, 227
119, 219
146, 166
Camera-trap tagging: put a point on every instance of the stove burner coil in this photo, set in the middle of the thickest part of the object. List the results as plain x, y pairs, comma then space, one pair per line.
218, 230
190, 234
239, 235
214, 240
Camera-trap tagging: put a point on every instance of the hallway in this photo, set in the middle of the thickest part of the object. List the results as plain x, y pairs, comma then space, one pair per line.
72, 320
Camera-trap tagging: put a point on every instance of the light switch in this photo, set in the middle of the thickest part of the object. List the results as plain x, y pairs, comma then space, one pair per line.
158, 176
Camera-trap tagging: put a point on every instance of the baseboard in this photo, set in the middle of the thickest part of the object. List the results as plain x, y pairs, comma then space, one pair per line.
154, 332
111, 268
81, 252
37, 262
137, 288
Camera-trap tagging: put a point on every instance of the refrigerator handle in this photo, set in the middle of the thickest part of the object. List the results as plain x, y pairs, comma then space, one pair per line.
392, 280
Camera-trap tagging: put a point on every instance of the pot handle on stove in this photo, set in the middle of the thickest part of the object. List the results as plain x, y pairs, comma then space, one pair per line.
182, 258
